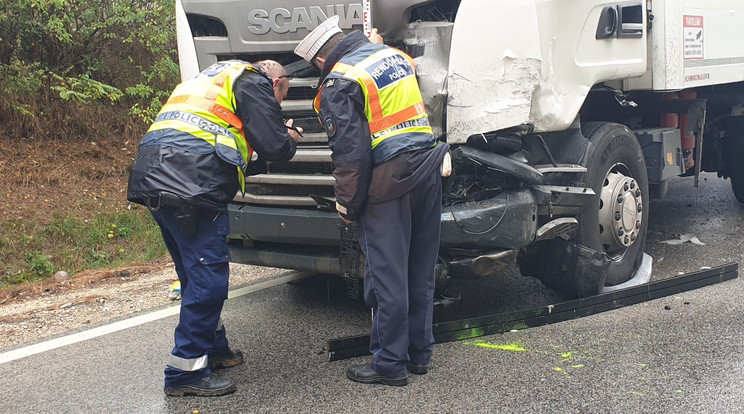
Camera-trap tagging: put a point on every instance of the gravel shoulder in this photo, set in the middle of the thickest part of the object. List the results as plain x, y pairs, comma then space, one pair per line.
43, 311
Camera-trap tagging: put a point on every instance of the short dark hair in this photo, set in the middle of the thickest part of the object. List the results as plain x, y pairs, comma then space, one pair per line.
325, 50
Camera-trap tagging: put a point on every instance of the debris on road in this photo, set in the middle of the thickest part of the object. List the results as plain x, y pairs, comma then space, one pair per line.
60, 276
174, 292
684, 238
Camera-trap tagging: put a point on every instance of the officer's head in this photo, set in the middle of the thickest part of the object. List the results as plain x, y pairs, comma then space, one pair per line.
317, 45
278, 76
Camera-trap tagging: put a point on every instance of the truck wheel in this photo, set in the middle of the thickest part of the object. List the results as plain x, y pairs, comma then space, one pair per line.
616, 171
737, 183
733, 153
608, 245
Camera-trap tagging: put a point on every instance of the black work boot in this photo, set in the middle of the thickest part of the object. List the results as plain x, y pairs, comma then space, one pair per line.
210, 386
418, 369
227, 360
365, 374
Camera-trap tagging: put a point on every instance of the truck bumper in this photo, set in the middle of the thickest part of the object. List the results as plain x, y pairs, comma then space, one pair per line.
309, 240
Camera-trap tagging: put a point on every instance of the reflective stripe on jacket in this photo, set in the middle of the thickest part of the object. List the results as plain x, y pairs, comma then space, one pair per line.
393, 107
204, 107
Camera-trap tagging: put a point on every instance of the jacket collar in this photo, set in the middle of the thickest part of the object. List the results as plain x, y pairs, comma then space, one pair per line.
348, 44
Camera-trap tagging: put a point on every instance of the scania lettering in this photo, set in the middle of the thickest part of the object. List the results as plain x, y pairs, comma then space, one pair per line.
281, 20
565, 119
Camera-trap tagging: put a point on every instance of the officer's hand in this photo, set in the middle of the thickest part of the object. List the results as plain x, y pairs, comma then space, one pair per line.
294, 132
375, 38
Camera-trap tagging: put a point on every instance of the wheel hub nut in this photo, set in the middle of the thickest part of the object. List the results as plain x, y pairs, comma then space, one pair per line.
624, 216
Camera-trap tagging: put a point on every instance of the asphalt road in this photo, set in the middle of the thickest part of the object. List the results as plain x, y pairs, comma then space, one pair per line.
642, 359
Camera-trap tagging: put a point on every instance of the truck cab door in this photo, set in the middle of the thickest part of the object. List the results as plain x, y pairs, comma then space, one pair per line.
534, 61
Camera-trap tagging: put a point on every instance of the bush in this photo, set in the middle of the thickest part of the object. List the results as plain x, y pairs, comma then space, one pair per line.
80, 80
40, 266
95, 53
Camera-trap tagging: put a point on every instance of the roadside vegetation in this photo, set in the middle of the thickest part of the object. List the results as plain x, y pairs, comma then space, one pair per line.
80, 82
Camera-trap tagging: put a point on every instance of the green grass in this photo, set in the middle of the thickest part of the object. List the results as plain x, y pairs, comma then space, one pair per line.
108, 238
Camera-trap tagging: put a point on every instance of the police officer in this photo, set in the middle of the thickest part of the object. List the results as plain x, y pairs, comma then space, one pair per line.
190, 164
387, 177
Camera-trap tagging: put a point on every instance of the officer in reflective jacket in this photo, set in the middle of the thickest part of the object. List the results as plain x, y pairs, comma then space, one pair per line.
190, 164
387, 178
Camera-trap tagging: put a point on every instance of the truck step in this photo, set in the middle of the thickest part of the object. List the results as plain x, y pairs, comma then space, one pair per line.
562, 227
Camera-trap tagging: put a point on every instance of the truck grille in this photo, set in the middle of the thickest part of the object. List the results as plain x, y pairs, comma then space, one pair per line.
310, 171
301, 168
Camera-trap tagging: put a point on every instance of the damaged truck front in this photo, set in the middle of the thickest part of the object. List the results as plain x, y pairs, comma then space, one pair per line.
560, 117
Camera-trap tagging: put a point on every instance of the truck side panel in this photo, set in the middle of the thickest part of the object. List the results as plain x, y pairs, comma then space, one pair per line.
692, 43
537, 62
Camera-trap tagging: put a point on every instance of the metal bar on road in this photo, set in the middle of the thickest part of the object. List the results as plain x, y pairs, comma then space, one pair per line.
356, 346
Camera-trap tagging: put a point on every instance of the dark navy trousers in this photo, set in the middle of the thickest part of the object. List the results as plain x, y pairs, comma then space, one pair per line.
400, 240
202, 264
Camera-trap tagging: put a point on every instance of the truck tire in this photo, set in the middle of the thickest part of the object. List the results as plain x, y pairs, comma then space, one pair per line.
608, 245
737, 184
734, 153
614, 159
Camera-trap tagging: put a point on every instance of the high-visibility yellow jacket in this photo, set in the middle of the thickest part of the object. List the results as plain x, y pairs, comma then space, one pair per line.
373, 113
198, 148
204, 107
393, 107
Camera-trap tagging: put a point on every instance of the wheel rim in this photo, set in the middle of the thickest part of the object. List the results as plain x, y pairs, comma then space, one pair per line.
620, 211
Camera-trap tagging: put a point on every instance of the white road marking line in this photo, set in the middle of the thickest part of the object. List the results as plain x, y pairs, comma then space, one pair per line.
135, 321
288, 277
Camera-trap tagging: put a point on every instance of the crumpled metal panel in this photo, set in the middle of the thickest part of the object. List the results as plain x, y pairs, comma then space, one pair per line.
494, 67
530, 62
429, 44
484, 265
507, 221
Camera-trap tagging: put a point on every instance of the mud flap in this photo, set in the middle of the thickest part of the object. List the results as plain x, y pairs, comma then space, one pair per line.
570, 268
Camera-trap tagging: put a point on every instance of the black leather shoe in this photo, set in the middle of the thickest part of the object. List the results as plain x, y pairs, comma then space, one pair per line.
210, 386
418, 369
365, 374
230, 359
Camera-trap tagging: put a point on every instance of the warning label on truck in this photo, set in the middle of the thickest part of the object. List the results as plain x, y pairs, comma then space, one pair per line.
693, 35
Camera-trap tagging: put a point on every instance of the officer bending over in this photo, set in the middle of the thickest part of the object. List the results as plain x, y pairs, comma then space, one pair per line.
190, 164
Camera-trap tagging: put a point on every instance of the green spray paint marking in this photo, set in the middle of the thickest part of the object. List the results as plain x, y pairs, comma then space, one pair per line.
566, 355
514, 347
472, 333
